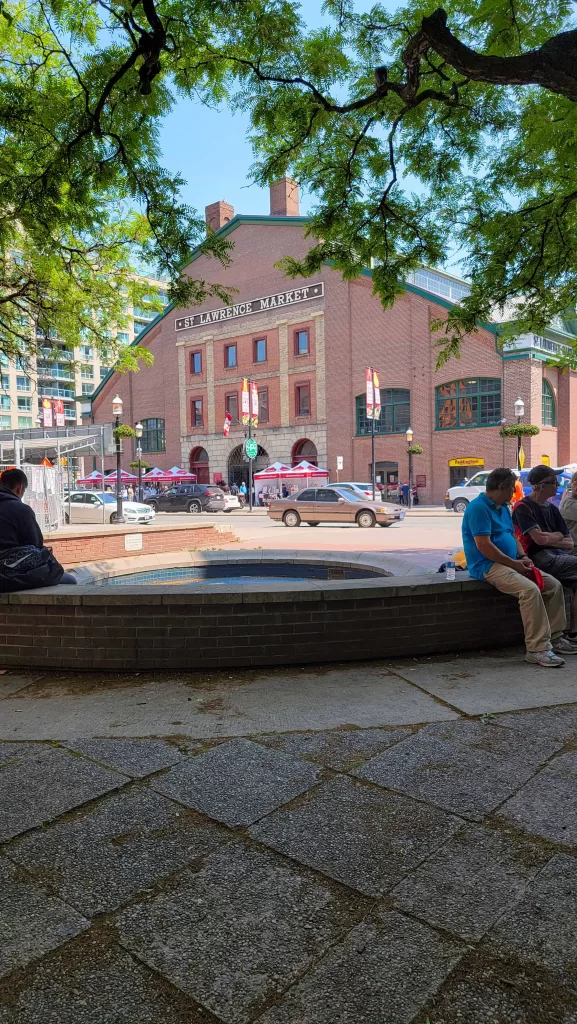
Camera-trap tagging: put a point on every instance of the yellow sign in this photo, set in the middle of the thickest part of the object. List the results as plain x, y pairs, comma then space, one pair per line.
521, 458
467, 462
545, 460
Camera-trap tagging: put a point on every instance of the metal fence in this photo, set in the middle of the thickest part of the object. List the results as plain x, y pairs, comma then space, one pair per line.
45, 495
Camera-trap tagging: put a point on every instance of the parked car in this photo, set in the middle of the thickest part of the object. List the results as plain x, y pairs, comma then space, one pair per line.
365, 489
458, 497
231, 501
101, 506
336, 504
189, 498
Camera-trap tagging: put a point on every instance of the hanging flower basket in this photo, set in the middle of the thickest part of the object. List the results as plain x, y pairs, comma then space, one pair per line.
145, 465
519, 430
415, 449
123, 430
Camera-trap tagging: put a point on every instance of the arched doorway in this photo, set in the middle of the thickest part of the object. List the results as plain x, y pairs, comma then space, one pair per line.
199, 465
304, 449
238, 468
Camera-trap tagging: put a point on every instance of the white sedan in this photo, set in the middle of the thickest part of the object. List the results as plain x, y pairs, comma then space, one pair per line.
231, 501
101, 507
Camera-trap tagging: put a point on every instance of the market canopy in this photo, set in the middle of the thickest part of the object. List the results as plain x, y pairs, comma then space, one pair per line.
274, 472
180, 474
93, 478
168, 476
306, 469
126, 478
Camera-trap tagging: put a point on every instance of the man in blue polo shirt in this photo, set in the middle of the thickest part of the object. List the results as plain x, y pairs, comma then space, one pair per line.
495, 555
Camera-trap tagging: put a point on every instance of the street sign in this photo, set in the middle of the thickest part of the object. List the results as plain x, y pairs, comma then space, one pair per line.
340, 462
251, 448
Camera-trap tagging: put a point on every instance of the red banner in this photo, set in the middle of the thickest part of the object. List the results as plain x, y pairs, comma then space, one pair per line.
376, 396
254, 403
245, 403
370, 405
60, 419
227, 423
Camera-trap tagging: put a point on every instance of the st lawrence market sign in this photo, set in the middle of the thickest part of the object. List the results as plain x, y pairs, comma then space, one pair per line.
281, 299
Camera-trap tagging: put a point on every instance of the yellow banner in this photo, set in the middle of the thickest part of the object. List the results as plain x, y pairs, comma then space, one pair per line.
468, 461
521, 458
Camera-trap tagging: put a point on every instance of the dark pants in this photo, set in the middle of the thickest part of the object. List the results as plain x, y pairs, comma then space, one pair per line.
67, 577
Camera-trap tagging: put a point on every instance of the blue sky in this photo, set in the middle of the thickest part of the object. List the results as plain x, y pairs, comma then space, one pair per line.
210, 149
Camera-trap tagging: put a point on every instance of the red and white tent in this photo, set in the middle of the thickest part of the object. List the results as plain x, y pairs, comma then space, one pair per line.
274, 472
126, 478
93, 478
306, 470
154, 474
179, 474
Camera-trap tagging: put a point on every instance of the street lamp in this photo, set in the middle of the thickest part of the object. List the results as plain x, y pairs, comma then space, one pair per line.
409, 436
138, 431
519, 413
117, 412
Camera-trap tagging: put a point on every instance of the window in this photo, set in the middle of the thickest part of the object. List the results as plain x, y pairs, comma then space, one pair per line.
308, 495
5, 382
395, 412
86, 351
87, 373
196, 362
229, 356
474, 402
263, 406
5, 402
259, 350
104, 371
23, 384
123, 337
301, 343
153, 436
231, 406
5, 422
24, 405
325, 494
24, 421
548, 417
4, 361
302, 400
197, 418
87, 389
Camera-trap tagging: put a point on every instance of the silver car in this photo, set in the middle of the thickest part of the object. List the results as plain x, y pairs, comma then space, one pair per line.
101, 507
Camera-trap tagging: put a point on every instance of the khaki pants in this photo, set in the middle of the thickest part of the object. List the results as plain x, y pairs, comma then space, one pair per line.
543, 614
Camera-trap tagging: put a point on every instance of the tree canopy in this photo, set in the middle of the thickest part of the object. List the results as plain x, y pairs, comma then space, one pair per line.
419, 133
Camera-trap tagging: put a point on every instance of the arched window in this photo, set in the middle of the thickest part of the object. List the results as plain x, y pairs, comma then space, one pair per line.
395, 412
548, 417
153, 436
471, 402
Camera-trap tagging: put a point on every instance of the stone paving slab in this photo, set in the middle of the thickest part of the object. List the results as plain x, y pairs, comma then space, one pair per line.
507, 744
238, 932
45, 785
457, 776
478, 686
237, 782
357, 834
117, 849
11, 753
485, 990
12, 682
85, 983
466, 886
557, 723
381, 972
547, 805
32, 921
541, 928
341, 749
132, 757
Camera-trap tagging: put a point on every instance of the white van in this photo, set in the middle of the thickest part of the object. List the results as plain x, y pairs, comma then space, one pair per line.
459, 497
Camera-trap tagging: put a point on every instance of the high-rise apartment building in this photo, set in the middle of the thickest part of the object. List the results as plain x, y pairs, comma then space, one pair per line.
62, 372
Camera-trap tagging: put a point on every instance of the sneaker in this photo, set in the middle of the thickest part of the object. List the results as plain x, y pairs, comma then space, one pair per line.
564, 646
570, 638
547, 659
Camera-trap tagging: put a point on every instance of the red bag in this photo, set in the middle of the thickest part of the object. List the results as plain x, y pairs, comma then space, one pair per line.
537, 576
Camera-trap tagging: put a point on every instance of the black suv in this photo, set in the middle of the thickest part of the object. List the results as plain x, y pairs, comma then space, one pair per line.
188, 498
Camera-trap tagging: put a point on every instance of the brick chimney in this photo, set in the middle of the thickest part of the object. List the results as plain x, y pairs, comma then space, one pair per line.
284, 198
218, 214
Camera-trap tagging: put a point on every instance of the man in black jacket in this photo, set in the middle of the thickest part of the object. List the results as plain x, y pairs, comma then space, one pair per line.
18, 525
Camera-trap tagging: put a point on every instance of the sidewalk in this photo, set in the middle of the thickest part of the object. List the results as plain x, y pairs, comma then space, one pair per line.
386, 843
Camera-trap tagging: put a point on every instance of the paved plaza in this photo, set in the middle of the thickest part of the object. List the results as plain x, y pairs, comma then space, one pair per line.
382, 843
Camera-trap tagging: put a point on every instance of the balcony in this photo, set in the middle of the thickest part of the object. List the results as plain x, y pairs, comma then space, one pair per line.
70, 414
53, 371
45, 392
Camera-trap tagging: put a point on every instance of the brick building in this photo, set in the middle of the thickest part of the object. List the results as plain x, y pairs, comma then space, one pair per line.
307, 343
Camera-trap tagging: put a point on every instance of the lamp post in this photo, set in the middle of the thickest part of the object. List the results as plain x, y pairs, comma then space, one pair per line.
409, 436
519, 413
117, 412
138, 431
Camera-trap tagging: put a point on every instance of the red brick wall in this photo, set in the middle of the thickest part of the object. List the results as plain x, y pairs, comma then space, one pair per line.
95, 547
